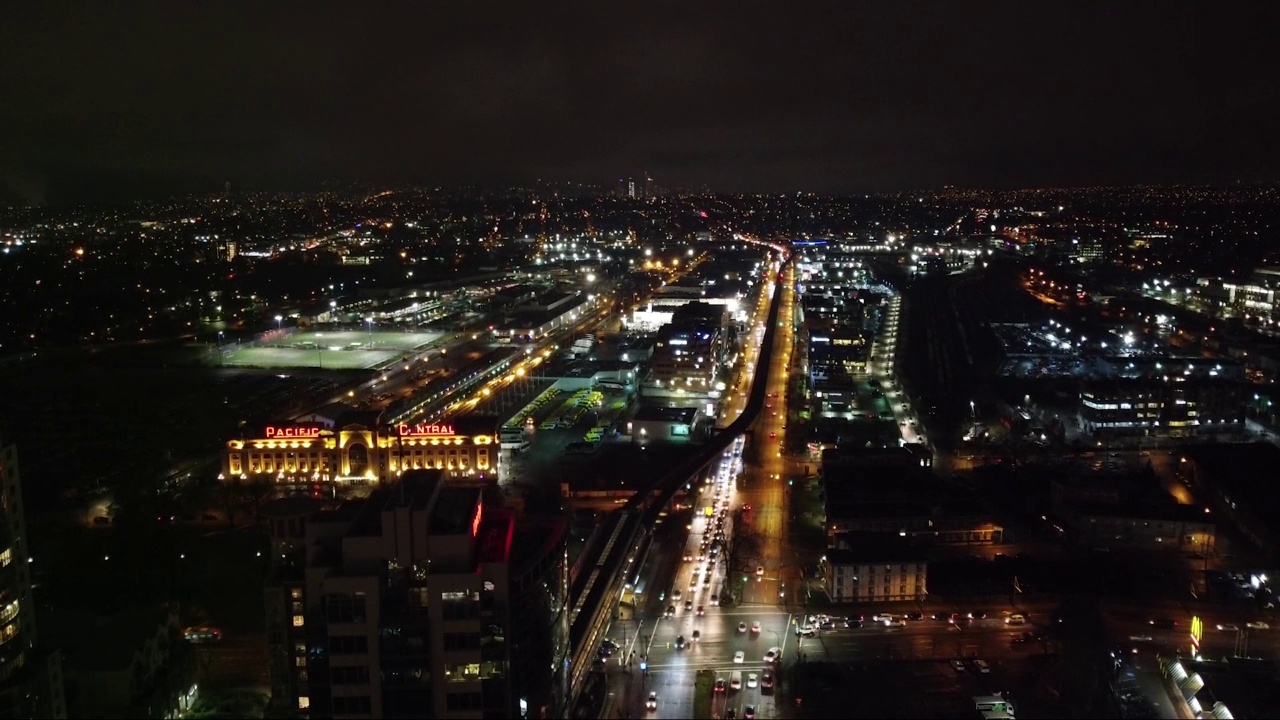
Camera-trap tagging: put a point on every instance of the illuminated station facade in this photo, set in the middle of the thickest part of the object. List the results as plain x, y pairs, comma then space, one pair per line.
356, 448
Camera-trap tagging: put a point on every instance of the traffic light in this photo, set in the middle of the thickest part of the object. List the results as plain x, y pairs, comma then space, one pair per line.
791, 482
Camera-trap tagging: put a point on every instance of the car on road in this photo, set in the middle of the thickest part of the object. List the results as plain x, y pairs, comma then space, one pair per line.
697, 635
804, 630
917, 615
981, 666
772, 655
957, 665
675, 595
742, 627
739, 657
722, 685
853, 624
755, 627
1232, 627
978, 615
749, 712
680, 642
702, 610
753, 680
759, 571
671, 611
688, 605
652, 702
1257, 625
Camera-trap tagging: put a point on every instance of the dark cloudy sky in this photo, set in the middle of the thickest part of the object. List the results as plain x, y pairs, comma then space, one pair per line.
133, 98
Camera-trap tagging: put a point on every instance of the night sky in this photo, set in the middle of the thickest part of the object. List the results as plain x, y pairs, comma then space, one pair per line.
133, 99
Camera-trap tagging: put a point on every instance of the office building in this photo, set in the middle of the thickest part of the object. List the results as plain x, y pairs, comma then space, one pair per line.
686, 359
1173, 405
420, 601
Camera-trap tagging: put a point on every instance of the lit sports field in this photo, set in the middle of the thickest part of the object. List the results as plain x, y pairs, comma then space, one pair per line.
334, 350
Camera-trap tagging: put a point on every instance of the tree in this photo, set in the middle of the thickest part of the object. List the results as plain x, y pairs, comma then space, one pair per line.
734, 550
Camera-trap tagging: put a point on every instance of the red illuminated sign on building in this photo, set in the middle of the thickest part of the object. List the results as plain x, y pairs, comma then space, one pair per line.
423, 430
292, 432
475, 520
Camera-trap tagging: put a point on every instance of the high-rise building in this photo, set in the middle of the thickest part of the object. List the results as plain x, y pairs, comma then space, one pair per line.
30, 680
420, 601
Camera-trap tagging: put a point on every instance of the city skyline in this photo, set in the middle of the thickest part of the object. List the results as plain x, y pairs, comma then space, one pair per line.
154, 103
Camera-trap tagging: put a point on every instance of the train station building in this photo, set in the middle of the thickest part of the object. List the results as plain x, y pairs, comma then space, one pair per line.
357, 448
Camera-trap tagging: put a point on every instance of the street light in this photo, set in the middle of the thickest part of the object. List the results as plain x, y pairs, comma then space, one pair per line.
279, 322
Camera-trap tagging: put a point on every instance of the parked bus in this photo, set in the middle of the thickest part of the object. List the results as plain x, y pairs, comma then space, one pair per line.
511, 437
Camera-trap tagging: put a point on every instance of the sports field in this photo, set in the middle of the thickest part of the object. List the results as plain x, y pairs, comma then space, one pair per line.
333, 350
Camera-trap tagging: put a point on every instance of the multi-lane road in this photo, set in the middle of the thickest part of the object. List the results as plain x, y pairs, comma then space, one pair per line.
707, 634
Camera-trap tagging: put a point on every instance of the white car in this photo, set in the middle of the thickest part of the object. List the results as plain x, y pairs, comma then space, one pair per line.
759, 571
742, 627
755, 627
1258, 625
753, 680
652, 702
739, 657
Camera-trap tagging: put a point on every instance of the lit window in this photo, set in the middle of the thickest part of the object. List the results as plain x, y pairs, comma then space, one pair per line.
304, 702
297, 621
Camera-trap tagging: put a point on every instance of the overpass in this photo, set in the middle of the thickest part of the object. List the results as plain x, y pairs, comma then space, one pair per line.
627, 529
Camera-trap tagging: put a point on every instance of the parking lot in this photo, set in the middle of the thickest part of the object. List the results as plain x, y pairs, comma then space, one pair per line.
330, 350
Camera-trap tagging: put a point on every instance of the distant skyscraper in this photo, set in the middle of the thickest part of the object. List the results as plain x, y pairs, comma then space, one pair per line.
30, 681
631, 188
648, 185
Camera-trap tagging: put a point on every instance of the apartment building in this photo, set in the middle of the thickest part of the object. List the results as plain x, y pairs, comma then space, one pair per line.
420, 601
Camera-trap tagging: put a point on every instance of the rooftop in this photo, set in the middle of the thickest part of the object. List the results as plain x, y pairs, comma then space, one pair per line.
875, 548
666, 414
454, 510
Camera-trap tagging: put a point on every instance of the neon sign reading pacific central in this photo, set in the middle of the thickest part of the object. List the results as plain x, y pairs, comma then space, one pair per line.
423, 430
292, 432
